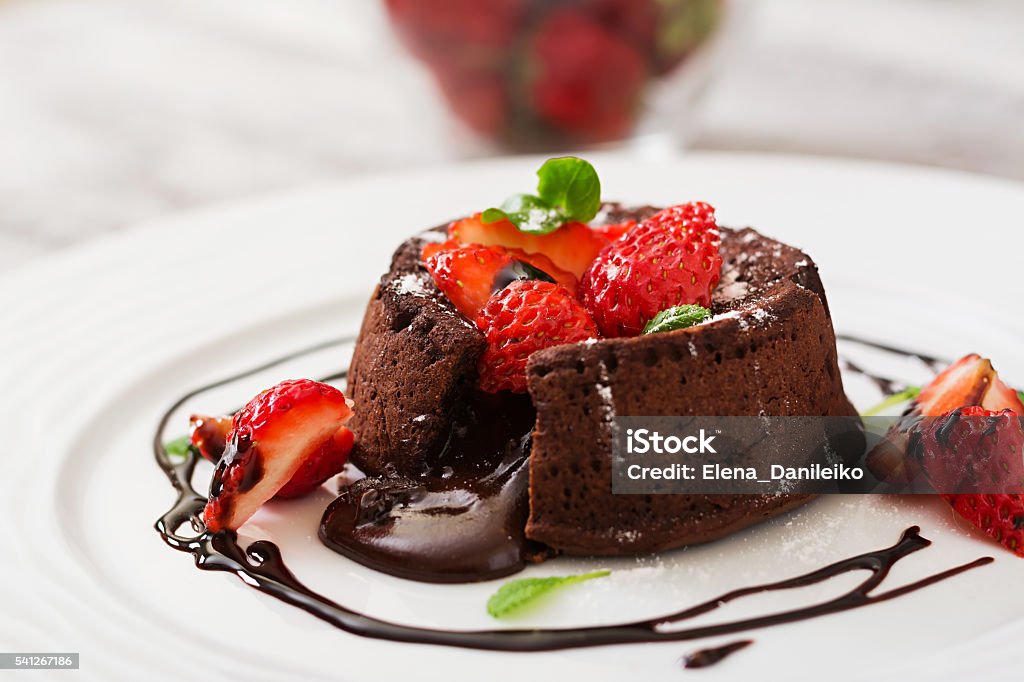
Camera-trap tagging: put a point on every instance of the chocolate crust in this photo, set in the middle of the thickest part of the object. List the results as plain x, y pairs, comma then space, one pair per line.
782, 363
414, 362
771, 351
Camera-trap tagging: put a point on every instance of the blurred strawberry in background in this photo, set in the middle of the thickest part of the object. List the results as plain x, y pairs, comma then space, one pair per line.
536, 74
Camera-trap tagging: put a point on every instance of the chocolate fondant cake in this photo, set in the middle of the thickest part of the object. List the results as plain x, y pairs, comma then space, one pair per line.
769, 349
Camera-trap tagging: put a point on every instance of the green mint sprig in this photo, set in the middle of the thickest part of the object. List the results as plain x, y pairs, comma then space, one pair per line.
568, 189
909, 393
518, 593
677, 317
178, 447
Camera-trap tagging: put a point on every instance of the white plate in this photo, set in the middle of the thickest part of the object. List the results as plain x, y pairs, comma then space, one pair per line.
98, 341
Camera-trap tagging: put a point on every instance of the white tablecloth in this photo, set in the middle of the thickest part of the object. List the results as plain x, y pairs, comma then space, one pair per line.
114, 111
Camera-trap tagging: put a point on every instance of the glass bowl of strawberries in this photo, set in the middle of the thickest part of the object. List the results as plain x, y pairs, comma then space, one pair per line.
538, 75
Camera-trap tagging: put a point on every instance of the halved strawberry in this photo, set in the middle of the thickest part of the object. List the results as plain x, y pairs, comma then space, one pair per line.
971, 450
210, 437
270, 439
572, 247
326, 462
963, 383
969, 381
1001, 397
1001, 517
468, 275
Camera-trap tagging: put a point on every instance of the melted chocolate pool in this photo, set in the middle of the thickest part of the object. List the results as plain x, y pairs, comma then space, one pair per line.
462, 522
353, 526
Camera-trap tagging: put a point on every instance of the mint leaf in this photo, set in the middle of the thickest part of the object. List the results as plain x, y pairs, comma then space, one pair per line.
518, 593
178, 447
568, 189
572, 185
677, 317
529, 213
909, 393
1020, 395
493, 215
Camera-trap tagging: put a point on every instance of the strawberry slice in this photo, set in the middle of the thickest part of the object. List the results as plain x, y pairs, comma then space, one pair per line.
974, 456
963, 383
1001, 517
210, 436
326, 462
970, 381
469, 275
270, 440
572, 247
1001, 397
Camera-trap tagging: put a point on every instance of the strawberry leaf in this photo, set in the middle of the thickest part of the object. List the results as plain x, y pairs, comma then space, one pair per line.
518, 593
677, 317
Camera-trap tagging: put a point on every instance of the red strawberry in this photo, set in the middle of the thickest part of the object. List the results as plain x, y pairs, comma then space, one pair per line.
583, 79
525, 317
963, 383
572, 247
469, 275
1001, 517
458, 31
209, 435
270, 439
633, 19
1001, 397
971, 450
477, 96
969, 381
326, 462
614, 230
668, 259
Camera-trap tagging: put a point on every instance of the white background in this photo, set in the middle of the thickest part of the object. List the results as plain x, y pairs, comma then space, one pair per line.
115, 111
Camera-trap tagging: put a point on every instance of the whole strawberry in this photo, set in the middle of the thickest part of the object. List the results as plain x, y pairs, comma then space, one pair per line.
582, 79
971, 450
521, 319
667, 260
470, 274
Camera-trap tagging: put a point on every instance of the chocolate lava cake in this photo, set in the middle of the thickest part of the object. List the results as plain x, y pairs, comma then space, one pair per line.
768, 349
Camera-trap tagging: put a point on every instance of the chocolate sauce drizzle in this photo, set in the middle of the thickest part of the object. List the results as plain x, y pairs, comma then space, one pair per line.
261, 566
887, 385
702, 658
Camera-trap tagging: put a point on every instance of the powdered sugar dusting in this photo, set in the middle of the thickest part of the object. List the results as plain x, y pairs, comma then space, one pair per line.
730, 288
604, 389
411, 283
731, 315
